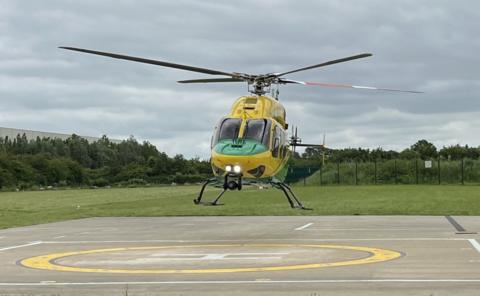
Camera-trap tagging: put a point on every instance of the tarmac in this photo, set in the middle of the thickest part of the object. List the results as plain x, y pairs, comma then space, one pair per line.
295, 255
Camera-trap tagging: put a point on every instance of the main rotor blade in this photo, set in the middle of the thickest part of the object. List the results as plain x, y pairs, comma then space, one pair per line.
358, 56
323, 84
149, 61
211, 80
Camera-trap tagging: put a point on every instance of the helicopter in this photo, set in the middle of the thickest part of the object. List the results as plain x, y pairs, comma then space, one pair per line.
250, 144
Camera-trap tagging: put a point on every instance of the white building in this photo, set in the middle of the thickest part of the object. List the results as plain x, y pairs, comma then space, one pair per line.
12, 133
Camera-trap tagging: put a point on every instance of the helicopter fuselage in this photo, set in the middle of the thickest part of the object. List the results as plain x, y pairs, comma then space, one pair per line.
251, 141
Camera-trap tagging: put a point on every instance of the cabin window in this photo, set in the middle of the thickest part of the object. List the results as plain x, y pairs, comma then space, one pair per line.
284, 144
277, 136
229, 128
259, 130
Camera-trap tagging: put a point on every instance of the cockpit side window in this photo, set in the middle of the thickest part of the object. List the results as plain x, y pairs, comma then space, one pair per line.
229, 129
277, 137
259, 130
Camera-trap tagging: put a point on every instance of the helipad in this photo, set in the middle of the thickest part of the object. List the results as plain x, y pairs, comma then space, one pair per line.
345, 255
223, 256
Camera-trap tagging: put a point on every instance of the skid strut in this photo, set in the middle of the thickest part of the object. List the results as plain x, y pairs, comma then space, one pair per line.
198, 200
231, 182
291, 197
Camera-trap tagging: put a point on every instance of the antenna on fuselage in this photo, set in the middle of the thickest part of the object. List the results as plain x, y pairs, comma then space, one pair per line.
294, 139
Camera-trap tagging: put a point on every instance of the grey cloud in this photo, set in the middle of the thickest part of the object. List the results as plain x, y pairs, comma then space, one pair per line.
424, 45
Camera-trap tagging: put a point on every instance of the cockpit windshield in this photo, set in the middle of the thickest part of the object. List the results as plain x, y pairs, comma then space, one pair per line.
229, 128
255, 129
258, 129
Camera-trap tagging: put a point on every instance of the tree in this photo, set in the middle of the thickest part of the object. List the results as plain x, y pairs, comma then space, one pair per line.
425, 149
79, 150
454, 152
408, 154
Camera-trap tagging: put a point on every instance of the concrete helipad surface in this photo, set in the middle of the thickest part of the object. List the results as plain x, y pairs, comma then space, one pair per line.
359, 255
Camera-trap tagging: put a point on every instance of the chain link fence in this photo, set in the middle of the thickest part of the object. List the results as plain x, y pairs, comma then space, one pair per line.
395, 171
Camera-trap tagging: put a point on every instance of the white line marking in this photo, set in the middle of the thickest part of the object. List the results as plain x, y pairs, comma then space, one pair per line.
20, 246
248, 282
255, 240
60, 236
374, 229
304, 226
475, 244
2, 237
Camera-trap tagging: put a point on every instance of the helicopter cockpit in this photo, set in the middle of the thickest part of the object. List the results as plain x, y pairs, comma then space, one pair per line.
234, 136
236, 130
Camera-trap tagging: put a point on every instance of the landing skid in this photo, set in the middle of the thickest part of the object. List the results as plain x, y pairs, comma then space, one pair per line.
291, 197
231, 181
198, 200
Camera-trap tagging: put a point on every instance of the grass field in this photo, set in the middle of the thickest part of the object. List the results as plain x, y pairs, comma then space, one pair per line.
35, 207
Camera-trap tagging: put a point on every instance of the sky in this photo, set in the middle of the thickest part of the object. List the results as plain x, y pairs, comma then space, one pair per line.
430, 46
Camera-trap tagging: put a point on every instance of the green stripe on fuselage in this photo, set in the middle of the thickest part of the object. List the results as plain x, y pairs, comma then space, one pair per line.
239, 147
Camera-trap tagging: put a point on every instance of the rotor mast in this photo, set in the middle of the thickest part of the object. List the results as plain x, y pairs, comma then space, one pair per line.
261, 84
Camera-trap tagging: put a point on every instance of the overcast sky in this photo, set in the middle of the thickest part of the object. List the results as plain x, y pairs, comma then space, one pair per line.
431, 46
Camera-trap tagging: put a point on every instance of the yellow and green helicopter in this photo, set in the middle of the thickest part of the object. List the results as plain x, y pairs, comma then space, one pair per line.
250, 144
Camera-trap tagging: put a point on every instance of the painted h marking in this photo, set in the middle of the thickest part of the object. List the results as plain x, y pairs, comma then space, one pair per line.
218, 256
304, 226
475, 244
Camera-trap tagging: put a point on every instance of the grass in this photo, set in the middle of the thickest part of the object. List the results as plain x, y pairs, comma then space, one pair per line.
35, 207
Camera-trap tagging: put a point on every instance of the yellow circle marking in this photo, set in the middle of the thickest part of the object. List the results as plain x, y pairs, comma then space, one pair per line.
48, 261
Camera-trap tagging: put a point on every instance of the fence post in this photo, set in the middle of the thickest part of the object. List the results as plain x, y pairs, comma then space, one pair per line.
338, 173
356, 173
375, 172
439, 175
416, 170
395, 170
321, 172
463, 165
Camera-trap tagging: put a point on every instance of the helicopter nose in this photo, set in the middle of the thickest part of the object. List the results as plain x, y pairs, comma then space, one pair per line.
240, 148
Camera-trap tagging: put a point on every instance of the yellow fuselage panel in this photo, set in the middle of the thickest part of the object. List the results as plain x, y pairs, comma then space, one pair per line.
258, 107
